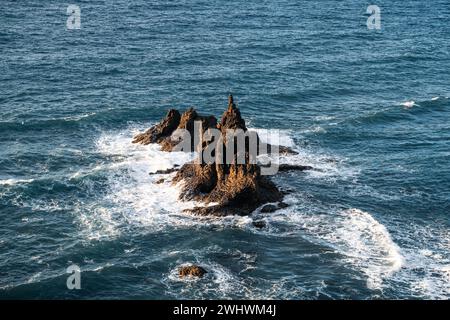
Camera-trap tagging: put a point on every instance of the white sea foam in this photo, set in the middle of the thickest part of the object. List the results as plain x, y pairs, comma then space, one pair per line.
426, 273
419, 268
324, 118
78, 117
314, 129
364, 243
132, 196
276, 137
326, 166
371, 246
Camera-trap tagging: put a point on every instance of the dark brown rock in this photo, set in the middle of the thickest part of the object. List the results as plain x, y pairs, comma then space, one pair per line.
237, 188
162, 132
289, 167
165, 171
259, 224
268, 208
191, 271
160, 181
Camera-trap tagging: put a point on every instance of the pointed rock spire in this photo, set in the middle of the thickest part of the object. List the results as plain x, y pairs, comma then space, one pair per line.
231, 118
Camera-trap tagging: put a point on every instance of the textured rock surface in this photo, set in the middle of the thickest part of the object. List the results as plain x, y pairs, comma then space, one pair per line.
162, 132
191, 271
236, 188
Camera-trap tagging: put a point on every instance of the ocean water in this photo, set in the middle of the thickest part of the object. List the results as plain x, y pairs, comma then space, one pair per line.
369, 108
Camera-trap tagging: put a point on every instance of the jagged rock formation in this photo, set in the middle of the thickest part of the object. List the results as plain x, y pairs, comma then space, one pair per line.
234, 188
161, 131
227, 188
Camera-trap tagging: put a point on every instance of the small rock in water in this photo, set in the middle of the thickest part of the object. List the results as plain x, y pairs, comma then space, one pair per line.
268, 208
160, 181
191, 271
259, 224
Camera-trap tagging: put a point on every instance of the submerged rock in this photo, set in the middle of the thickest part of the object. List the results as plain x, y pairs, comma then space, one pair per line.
260, 224
290, 167
191, 271
269, 208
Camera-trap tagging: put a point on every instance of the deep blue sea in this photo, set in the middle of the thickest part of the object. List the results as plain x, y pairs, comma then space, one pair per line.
369, 108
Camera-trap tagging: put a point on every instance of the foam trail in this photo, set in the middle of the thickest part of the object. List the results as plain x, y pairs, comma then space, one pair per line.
364, 243
371, 246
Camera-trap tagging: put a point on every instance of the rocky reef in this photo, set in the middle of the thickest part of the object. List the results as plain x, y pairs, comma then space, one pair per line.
225, 187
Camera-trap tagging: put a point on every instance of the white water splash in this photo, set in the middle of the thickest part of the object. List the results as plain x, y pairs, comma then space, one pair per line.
409, 104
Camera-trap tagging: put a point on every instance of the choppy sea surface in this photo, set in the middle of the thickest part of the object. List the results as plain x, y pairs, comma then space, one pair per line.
369, 108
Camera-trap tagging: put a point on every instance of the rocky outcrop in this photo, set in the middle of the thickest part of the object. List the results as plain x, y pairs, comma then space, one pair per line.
191, 271
233, 188
259, 224
226, 187
161, 131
